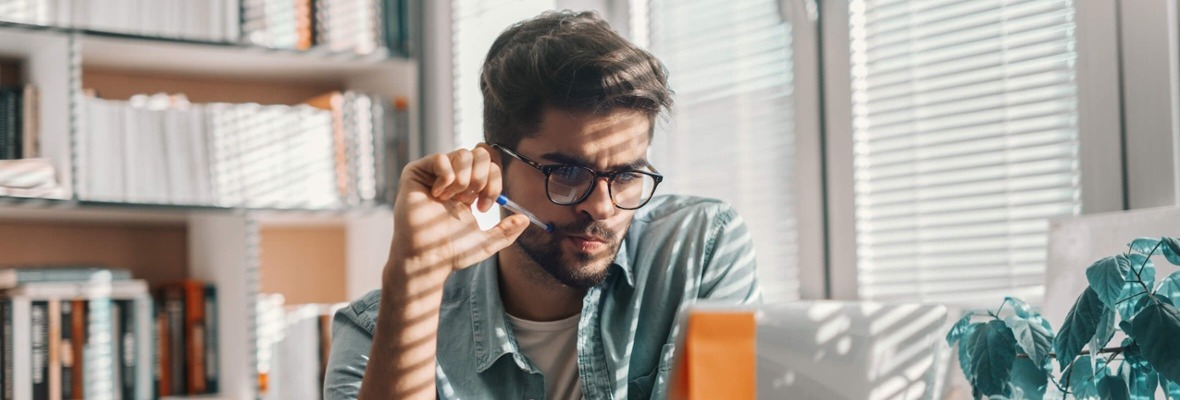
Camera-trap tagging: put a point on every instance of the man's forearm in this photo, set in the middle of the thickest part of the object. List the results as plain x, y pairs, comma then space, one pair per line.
402, 358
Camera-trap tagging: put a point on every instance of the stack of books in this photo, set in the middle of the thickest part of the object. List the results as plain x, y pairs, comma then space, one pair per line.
212, 20
340, 26
320, 156
186, 339
75, 332
294, 342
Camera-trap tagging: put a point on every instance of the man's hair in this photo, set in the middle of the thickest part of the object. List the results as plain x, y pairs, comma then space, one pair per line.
571, 61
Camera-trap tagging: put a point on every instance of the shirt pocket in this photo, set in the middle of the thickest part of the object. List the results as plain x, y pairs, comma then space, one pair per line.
654, 385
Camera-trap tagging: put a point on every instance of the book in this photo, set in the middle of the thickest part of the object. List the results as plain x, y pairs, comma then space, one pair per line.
39, 342
212, 354
30, 122
12, 277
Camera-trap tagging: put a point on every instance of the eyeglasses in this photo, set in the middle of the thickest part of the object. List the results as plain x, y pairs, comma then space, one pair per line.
572, 184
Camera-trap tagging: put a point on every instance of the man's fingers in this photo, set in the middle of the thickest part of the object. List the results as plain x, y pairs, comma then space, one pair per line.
444, 175
502, 235
480, 166
492, 190
461, 162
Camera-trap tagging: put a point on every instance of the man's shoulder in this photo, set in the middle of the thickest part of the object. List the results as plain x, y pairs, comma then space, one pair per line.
675, 209
363, 311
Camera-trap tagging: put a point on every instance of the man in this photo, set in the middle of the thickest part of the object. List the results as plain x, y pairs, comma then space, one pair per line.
584, 311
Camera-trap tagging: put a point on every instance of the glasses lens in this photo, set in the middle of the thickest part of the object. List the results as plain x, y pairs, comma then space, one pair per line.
568, 184
632, 189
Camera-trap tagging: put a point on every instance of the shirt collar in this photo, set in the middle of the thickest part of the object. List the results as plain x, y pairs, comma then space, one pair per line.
489, 327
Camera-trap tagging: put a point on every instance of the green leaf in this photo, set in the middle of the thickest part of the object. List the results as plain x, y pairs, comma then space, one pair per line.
1079, 327
1020, 307
1141, 267
1141, 378
993, 350
1112, 388
1107, 277
1079, 378
1032, 338
1029, 378
1105, 330
1171, 389
1156, 330
965, 350
1141, 270
1170, 287
1144, 245
957, 331
1171, 249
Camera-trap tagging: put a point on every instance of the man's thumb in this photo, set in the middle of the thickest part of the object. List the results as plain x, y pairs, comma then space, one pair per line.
506, 232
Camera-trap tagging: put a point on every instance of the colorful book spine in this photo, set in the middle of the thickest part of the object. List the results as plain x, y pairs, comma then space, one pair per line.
211, 352
39, 328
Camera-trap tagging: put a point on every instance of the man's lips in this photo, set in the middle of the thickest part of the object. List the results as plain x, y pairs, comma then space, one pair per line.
588, 243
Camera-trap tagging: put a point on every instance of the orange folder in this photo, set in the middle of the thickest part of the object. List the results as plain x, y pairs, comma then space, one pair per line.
718, 358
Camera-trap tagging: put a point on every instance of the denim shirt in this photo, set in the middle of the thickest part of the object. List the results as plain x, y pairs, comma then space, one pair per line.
677, 250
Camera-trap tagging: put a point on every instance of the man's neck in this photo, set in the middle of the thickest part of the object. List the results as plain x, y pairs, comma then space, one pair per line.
530, 293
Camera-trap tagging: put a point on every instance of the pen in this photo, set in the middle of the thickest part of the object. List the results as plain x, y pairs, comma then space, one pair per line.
516, 208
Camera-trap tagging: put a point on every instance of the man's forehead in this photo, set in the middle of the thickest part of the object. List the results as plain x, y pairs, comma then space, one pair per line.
597, 140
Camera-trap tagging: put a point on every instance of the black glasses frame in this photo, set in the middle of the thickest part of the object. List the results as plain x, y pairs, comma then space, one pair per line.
548, 169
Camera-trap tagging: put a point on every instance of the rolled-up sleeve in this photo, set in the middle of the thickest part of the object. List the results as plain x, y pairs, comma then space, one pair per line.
352, 338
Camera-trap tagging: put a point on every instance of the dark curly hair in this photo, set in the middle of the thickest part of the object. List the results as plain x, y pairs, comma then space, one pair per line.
571, 61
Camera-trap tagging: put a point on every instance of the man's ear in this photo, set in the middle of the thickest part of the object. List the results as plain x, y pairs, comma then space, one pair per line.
495, 154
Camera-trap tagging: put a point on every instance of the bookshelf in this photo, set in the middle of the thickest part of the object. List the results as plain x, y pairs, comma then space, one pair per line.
308, 254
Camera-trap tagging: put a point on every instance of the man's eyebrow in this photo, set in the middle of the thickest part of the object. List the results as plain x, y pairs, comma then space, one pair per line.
582, 162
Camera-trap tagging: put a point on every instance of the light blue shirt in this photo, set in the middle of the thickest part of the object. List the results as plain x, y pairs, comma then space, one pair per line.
677, 250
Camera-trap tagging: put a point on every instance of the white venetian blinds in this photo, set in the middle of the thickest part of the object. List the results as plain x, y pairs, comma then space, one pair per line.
965, 135
732, 133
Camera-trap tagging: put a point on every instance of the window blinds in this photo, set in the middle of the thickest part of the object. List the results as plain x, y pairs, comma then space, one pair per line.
965, 141
732, 133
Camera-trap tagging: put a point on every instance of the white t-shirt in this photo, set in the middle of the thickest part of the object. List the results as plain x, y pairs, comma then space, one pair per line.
553, 348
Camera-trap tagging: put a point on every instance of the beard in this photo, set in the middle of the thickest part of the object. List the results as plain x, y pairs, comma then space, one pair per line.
578, 270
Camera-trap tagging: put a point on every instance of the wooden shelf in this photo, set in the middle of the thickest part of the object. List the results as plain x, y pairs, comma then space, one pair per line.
239, 62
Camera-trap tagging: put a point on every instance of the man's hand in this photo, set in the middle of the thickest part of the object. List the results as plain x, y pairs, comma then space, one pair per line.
434, 234
434, 229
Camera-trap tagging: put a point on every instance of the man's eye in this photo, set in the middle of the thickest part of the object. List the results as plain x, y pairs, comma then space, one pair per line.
627, 177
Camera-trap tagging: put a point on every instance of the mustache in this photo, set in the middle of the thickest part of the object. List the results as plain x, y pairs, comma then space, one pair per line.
592, 229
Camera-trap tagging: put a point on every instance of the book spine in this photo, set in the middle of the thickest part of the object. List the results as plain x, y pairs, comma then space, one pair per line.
116, 349
21, 350
128, 358
78, 345
145, 348
6, 349
67, 349
211, 340
162, 363
39, 326
54, 357
174, 307
194, 315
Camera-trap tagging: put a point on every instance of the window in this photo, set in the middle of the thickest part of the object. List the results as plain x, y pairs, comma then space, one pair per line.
732, 133
965, 140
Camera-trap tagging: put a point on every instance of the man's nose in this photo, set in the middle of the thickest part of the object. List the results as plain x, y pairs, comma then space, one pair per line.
598, 205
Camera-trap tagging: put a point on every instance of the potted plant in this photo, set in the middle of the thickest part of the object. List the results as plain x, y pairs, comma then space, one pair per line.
1010, 353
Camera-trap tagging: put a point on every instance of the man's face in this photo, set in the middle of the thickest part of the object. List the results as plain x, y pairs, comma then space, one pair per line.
587, 235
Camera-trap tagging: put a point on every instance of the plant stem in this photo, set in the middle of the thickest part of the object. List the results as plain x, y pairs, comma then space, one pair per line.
1139, 273
1115, 350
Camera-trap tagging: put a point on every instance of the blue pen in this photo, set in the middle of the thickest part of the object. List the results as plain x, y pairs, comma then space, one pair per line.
516, 208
